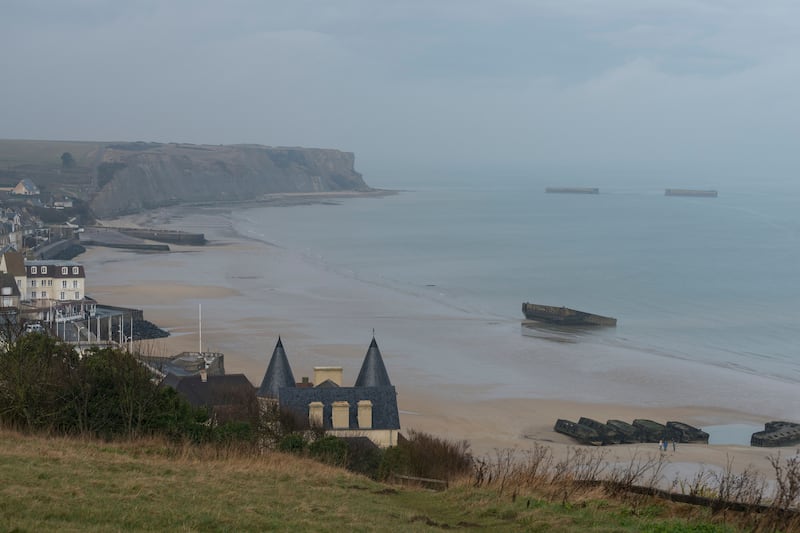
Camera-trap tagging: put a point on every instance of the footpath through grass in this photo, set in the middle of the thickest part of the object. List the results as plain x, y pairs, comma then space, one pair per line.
71, 485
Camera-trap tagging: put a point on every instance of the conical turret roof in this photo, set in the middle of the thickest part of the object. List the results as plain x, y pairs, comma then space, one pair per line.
373, 372
278, 374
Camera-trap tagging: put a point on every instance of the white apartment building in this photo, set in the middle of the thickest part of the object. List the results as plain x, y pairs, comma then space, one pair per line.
61, 281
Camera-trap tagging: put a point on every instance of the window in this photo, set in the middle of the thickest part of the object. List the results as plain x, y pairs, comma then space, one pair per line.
75, 284
77, 296
33, 295
49, 282
64, 270
62, 296
75, 270
44, 270
33, 283
33, 270
63, 284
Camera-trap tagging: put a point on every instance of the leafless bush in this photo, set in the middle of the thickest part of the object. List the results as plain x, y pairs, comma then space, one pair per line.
579, 468
698, 486
535, 466
639, 470
424, 455
496, 469
787, 479
746, 487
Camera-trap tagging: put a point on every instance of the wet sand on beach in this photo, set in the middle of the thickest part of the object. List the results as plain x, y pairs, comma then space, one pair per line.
457, 376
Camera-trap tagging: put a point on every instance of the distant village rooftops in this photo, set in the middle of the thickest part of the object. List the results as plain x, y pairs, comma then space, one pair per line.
227, 396
13, 263
50, 262
26, 187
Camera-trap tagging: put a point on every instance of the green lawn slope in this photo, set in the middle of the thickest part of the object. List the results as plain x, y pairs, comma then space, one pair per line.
72, 485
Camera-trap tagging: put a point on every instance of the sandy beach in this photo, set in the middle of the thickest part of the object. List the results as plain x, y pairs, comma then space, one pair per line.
437, 357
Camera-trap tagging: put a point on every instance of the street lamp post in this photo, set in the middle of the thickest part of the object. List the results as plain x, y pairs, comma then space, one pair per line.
79, 328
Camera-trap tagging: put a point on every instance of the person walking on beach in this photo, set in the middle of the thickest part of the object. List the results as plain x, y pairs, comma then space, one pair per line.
661, 445
673, 445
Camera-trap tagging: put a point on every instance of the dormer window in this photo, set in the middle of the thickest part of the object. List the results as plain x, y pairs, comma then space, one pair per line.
75, 270
64, 270
44, 270
33, 270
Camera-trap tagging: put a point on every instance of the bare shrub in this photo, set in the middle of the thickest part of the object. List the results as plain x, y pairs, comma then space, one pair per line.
579, 467
782, 514
624, 476
534, 468
746, 487
698, 486
424, 455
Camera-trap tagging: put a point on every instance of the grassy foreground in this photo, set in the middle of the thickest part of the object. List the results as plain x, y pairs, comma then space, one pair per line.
72, 485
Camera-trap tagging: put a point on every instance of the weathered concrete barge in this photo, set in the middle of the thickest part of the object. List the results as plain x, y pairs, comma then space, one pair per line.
691, 192
777, 433
594, 433
572, 190
565, 316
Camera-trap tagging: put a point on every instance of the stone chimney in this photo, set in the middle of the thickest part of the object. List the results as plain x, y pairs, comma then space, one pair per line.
365, 414
333, 373
340, 415
315, 414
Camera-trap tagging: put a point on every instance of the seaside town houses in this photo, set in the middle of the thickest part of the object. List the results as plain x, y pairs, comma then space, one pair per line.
48, 290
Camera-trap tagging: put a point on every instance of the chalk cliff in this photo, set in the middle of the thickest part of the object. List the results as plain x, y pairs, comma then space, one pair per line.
135, 176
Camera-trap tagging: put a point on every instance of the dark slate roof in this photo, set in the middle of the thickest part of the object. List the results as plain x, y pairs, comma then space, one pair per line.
215, 391
373, 372
278, 374
8, 281
15, 263
384, 403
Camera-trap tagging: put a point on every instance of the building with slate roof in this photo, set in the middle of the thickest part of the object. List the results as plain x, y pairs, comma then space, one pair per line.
367, 409
227, 397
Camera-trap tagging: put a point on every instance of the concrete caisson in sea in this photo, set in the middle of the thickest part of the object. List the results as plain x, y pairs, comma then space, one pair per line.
589, 431
579, 432
565, 316
709, 193
683, 432
572, 190
606, 432
777, 433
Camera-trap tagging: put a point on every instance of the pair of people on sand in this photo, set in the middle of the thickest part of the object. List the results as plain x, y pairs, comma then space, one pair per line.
664, 443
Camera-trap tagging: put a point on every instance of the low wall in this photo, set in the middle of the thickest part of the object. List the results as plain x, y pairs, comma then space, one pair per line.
163, 235
50, 251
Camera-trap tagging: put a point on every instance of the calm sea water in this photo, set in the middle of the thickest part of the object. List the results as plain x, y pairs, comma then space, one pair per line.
713, 280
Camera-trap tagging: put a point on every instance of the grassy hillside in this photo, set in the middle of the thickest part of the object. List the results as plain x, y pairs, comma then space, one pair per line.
68, 485
46, 153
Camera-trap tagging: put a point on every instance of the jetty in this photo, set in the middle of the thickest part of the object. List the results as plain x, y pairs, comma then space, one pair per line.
572, 190
139, 239
709, 193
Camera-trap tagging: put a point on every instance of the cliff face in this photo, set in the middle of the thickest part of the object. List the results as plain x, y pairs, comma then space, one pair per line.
137, 176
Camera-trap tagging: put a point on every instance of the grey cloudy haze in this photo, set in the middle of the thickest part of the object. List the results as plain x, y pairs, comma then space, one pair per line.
705, 90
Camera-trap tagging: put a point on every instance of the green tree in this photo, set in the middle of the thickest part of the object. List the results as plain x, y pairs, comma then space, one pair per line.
33, 371
67, 161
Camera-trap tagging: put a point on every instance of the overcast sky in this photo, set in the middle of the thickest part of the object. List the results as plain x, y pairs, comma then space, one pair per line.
576, 89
